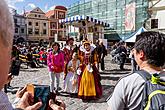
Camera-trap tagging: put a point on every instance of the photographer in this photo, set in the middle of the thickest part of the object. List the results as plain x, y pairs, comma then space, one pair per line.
6, 38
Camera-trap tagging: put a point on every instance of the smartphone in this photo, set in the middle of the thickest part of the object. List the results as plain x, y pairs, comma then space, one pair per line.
40, 93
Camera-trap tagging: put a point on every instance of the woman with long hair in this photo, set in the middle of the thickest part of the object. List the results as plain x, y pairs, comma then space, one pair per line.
55, 61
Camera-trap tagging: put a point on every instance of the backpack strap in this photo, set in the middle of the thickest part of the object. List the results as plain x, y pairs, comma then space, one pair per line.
144, 74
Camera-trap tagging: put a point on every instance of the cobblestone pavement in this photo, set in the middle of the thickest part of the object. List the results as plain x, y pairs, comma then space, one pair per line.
40, 76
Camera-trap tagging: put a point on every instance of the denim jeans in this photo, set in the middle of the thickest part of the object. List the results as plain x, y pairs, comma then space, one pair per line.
54, 77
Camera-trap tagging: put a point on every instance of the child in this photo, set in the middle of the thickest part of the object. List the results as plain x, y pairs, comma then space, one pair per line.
70, 83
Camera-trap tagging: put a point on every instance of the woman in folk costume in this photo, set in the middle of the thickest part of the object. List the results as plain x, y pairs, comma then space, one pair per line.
89, 82
70, 83
55, 62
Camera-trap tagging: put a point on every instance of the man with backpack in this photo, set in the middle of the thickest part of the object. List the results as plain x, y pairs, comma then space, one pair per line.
144, 89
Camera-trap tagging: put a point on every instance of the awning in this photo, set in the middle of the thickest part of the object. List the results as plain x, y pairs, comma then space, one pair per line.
112, 37
82, 17
132, 37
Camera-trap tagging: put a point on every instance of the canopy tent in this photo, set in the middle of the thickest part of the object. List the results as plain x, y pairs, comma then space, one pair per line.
86, 27
132, 37
77, 18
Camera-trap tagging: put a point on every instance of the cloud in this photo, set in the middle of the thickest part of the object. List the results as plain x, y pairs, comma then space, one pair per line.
11, 3
12, 6
46, 7
31, 5
52, 7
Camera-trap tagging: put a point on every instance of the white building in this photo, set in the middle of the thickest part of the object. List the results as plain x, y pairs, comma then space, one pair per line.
20, 34
156, 11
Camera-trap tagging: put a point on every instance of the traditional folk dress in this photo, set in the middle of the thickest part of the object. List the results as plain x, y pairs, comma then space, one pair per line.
71, 81
68, 52
89, 80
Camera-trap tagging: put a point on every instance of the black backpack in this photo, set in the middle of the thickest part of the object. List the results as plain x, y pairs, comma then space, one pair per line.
154, 91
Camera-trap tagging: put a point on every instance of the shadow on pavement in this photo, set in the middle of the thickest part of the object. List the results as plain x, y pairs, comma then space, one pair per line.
63, 94
118, 70
28, 70
110, 78
114, 73
107, 91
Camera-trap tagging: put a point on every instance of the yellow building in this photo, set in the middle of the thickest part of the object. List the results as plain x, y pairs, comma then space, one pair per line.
37, 25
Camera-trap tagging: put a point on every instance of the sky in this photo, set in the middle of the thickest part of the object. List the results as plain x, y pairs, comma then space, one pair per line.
45, 5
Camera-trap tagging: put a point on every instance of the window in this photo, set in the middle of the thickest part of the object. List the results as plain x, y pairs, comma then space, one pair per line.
36, 23
154, 23
39, 16
95, 29
53, 33
53, 25
30, 23
22, 30
36, 31
15, 21
45, 24
44, 32
61, 15
23, 21
30, 31
16, 30
35, 15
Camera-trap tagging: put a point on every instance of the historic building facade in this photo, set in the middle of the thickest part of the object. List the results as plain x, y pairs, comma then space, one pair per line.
37, 25
55, 29
20, 34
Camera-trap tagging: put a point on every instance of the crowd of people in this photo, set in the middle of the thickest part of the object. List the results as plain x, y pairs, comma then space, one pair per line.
80, 66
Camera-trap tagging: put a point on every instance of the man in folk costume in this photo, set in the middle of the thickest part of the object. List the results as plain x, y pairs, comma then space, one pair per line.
68, 52
89, 79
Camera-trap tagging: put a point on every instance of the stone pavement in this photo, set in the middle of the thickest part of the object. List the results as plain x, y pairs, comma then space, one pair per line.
40, 76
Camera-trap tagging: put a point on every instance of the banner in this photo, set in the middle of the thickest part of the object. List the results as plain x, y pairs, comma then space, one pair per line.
130, 11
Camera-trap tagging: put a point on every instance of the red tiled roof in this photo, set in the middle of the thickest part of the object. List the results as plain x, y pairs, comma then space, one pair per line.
61, 8
49, 13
